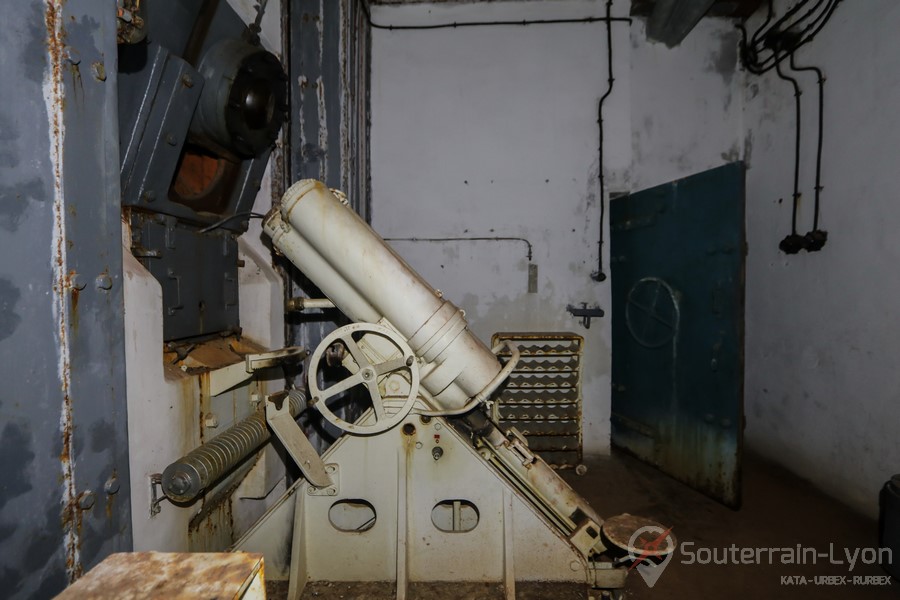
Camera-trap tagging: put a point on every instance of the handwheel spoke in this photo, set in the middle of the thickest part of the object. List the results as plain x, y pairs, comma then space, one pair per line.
377, 403
355, 351
341, 386
389, 366
381, 341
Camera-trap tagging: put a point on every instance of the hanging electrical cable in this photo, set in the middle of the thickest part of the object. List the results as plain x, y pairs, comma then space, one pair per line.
511, 23
774, 41
794, 242
794, 39
599, 275
240, 215
816, 238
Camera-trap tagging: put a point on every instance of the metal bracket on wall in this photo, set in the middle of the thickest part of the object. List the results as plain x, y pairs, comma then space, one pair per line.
156, 493
225, 378
586, 313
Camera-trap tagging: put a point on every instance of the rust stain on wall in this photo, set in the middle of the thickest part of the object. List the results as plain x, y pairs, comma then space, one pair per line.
54, 96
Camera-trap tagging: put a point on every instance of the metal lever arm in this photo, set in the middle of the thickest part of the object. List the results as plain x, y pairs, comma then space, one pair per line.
296, 443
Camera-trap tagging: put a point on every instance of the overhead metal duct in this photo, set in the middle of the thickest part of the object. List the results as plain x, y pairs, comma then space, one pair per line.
670, 21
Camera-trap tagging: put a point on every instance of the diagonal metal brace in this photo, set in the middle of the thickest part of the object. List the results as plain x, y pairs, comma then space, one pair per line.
278, 415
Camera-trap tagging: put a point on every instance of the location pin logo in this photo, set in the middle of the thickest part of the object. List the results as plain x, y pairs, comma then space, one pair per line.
648, 544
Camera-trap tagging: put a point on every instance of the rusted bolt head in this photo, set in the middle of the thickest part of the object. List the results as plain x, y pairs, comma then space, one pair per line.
409, 429
179, 484
77, 282
104, 282
112, 485
86, 500
187, 81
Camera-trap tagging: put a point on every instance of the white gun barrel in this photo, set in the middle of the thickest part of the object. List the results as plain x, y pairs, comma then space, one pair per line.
369, 282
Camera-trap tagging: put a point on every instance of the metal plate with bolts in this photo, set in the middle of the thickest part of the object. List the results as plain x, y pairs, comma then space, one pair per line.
333, 470
198, 274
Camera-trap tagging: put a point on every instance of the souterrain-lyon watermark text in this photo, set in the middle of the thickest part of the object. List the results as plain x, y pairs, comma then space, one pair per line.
797, 555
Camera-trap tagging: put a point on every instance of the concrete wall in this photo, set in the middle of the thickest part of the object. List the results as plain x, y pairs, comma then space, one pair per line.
489, 132
822, 382
492, 131
686, 103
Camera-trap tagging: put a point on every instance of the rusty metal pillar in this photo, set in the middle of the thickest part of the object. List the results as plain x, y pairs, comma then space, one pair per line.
327, 49
64, 495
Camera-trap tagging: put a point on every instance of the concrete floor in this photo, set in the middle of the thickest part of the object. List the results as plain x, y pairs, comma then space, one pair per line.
779, 510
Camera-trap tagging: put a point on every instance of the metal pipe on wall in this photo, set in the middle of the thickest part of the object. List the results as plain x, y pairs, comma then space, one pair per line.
299, 304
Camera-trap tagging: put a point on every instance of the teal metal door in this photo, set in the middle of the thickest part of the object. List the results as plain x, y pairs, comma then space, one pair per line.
677, 260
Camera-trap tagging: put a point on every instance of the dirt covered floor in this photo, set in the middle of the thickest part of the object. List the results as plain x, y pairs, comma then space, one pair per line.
779, 511
442, 590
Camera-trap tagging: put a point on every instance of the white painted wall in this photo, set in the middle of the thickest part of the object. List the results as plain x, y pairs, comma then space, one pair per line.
822, 383
686, 103
493, 132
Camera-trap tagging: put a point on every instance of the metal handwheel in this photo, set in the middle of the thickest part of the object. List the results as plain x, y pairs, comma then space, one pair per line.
369, 373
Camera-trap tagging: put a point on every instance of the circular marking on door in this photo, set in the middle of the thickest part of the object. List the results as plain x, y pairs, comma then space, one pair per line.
651, 312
